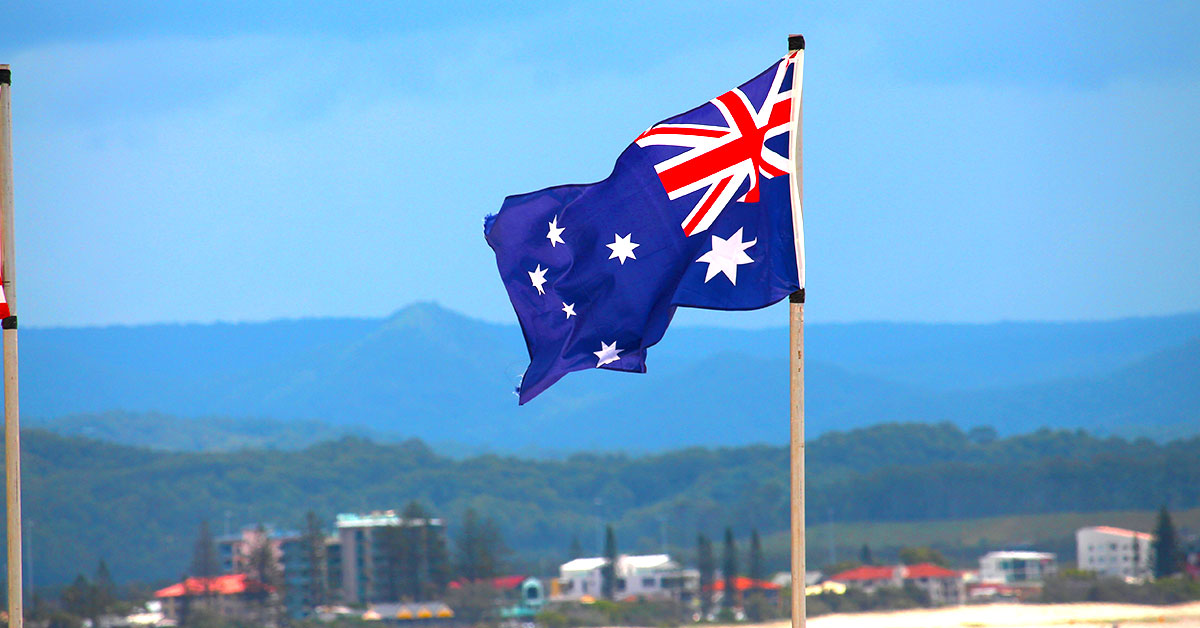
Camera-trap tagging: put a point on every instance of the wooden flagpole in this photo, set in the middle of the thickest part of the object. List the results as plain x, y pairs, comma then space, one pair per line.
796, 328
12, 420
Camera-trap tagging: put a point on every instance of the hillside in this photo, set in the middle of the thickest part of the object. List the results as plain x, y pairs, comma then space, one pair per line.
433, 374
139, 509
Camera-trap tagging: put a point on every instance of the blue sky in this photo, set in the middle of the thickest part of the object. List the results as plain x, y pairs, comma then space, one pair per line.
226, 161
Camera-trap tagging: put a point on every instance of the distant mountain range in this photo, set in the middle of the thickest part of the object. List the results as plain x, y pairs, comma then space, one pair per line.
434, 374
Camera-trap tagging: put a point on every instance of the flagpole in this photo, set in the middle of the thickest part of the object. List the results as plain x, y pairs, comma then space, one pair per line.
12, 420
796, 329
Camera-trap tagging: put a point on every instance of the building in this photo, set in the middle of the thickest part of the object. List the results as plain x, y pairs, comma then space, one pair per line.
1114, 552
232, 596
744, 586
1017, 568
362, 556
651, 576
292, 558
944, 586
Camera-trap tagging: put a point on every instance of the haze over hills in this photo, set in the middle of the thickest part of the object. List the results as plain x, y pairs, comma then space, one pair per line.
431, 373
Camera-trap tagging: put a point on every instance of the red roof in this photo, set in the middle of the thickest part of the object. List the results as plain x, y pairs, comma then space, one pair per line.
866, 572
502, 582
1123, 532
742, 583
929, 570
220, 585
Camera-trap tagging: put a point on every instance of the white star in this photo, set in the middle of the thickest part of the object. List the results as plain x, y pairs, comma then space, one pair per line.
607, 353
555, 234
538, 277
726, 256
622, 248
570, 310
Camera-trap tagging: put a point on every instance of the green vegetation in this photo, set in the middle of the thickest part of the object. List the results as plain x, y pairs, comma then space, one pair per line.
609, 613
1168, 560
139, 509
1078, 586
856, 600
608, 573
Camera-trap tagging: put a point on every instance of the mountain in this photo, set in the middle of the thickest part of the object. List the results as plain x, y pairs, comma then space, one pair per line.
139, 510
431, 373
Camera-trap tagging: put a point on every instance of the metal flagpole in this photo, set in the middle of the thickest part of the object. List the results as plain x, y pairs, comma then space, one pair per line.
796, 311
12, 421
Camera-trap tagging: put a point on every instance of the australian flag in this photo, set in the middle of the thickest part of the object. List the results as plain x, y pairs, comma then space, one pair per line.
701, 210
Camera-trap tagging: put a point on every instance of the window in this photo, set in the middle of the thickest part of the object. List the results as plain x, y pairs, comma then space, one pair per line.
620, 584
648, 583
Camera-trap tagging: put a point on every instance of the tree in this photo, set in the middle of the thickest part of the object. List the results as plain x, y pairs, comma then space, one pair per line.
917, 555
729, 566
391, 545
756, 607
204, 557
1136, 546
481, 549
864, 555
263, 566
105, 589
79, 599
576, 550
1167, 557
707, 566
608, 573
437, 558
414, 551
313, 542
756, 559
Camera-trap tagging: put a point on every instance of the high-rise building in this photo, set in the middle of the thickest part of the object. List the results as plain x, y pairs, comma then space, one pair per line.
364, 556
291, 558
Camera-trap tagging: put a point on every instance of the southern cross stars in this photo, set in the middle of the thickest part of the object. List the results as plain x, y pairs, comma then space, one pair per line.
607, 353
726, 256
622, 248
538, 277
555, 234
570, 310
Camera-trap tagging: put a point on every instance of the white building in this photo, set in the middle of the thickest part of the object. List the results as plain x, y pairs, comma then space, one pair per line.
1114, 551
1017, 567
653, 576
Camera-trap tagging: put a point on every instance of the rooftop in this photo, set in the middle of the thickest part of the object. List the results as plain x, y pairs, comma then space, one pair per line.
742, 583
625, 562
379, 519
929, 570
872, 572
1116, 531
231, 584
501, 582
865, 572
1021, 555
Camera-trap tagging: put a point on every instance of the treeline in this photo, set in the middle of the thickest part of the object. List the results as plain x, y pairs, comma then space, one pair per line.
138, 509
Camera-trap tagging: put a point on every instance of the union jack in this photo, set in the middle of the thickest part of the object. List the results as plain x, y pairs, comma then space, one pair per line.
722, 158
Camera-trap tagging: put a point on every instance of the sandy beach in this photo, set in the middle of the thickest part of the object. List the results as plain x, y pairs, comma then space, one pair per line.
1018, 616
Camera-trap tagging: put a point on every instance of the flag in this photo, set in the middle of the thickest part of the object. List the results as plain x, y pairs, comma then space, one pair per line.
701, 210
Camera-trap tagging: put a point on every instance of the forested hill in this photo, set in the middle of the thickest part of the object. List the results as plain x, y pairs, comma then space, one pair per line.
433, 374
139, 509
